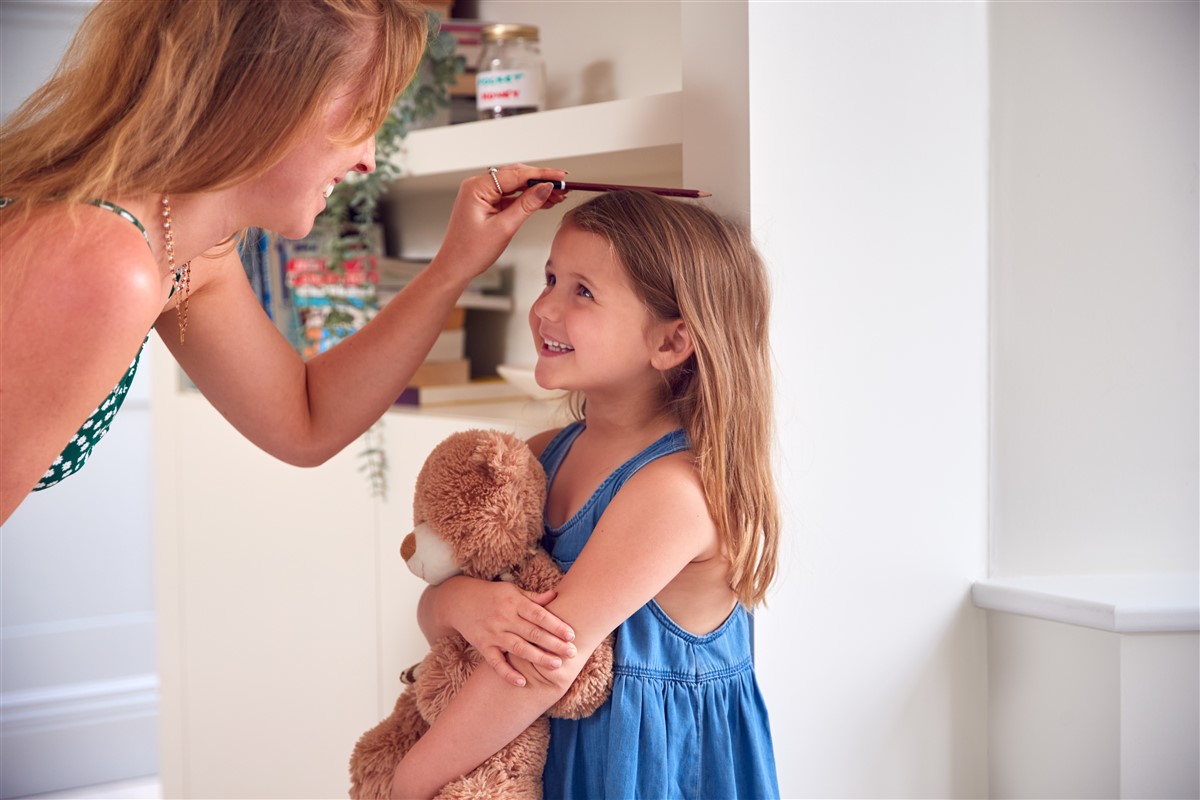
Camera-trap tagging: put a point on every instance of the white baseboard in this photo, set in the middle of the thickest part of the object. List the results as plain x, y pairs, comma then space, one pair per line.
78, 734
78, 705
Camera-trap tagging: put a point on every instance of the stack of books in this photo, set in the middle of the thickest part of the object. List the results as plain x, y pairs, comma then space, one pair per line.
327, 301
485, 291
445, 377
447, 363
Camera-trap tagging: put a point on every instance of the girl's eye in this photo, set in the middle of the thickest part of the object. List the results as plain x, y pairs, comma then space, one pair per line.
549, 279
584, 291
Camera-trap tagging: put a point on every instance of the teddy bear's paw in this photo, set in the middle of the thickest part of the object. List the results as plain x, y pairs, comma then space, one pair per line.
591, 687
492, 781
442, 674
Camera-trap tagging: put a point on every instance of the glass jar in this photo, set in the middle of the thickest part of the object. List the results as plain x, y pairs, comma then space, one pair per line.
510, 78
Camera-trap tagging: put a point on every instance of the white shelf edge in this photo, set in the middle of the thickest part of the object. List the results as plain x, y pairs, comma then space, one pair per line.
507, 412
545, 137
1120, 603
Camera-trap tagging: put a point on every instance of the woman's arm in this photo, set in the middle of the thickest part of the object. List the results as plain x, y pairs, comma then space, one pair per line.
304, 413
652, 529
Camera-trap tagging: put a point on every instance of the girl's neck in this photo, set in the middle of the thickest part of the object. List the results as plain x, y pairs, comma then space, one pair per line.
627, 419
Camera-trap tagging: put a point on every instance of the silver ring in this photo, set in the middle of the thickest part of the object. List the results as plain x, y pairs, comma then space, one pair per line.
492, 171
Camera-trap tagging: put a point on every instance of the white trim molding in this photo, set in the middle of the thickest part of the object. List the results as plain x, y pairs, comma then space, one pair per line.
1131, 603
79, 704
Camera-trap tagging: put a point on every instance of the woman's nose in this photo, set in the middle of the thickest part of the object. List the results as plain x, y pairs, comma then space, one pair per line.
366, 164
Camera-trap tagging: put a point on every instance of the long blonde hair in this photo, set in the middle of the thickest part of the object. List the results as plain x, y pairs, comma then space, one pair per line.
688, 263
185, 95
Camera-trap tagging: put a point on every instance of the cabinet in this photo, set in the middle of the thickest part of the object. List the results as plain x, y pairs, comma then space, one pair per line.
284, 611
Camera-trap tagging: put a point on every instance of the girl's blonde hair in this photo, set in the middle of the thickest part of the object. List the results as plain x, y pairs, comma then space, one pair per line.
689, 263
193, 95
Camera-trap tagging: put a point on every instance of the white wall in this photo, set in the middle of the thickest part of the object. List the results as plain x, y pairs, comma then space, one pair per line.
868, 172
78, 683
1094, 287
1095, 227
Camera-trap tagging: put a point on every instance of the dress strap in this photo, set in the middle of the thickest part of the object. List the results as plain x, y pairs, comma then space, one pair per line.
107, 206
588, 514
125, 215
554, 452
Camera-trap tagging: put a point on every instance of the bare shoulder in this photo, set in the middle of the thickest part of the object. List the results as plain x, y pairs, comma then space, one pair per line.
668, 491
675, 476
537, 443
90, 261
79, 297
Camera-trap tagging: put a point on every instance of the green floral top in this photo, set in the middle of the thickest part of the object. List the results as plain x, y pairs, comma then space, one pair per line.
81, 444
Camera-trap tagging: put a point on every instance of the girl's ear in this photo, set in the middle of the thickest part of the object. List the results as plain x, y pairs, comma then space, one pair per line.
674, 345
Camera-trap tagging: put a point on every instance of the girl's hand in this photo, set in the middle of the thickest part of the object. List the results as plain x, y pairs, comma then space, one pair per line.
497, 618
484, 219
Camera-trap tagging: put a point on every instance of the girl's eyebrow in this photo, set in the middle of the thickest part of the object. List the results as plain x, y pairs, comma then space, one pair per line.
580, 276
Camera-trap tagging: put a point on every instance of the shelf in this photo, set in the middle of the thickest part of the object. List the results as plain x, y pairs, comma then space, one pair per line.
1131, 603
521, 413
485, 302
637, 135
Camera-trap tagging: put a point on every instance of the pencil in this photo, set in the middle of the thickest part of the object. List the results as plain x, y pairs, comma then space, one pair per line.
614, 187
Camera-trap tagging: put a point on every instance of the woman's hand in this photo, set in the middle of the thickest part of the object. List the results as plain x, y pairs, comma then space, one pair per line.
497, 618
484, 219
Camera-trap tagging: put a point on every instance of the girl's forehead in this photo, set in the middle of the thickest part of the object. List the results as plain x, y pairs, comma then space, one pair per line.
574, 241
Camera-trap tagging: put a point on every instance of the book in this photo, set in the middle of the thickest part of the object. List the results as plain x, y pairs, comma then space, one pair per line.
479, 300
450, 344
436, 373
482, 390
396, 273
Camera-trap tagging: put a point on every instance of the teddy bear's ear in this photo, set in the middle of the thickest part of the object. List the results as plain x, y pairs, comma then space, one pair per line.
486, 455
500, 456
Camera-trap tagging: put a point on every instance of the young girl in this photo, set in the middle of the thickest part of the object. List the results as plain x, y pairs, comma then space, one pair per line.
661, 505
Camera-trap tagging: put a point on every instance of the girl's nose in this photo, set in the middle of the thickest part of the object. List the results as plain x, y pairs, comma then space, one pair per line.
367, 163
543, 306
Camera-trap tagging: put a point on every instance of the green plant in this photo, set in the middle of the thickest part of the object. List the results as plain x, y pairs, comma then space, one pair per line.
375, 460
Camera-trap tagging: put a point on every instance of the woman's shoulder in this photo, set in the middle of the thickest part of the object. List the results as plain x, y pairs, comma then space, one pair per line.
81, 227
87, 262
98, 247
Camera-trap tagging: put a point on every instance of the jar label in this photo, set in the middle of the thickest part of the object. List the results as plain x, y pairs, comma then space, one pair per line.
508, 88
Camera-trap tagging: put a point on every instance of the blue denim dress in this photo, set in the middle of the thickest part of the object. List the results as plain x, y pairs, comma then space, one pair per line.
686, 718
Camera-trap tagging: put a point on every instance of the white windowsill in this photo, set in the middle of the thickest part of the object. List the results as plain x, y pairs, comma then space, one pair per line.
1130, 603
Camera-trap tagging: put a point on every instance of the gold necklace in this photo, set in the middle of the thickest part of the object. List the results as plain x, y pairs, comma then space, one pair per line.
181, 277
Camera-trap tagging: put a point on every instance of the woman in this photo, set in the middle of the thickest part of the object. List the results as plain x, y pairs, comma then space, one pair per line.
170, 126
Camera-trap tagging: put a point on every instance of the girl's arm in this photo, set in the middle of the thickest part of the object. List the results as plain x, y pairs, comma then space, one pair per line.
654, 527
304, 413
497, 618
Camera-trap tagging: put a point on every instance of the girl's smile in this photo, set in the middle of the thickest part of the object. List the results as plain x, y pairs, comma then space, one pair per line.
590, 328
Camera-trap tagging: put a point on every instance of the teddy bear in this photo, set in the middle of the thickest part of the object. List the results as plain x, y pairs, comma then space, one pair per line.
477, 511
